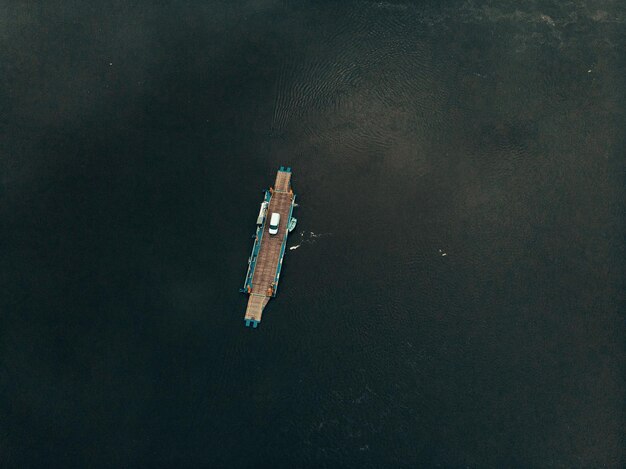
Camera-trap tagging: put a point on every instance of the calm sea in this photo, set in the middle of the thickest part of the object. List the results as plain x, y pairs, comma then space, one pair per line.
455, 292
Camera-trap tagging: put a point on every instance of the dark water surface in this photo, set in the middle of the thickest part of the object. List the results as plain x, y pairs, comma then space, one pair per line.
456, 298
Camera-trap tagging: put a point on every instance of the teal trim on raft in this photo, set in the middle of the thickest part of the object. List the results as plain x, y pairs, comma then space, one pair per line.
293, 204
256, 247
252, 322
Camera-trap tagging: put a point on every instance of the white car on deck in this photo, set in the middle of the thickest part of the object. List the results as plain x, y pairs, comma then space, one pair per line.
274, 222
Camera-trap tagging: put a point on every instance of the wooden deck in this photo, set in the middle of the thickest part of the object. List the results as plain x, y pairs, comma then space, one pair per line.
283, 181
264, 281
